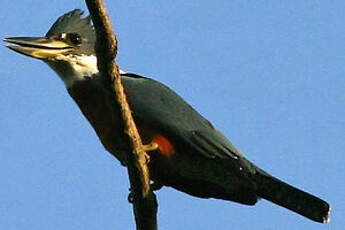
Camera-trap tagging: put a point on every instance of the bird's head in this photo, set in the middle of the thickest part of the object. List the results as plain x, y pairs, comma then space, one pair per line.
68, 47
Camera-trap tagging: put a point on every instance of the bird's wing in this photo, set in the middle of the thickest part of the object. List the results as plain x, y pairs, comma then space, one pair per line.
213, 144
155, 104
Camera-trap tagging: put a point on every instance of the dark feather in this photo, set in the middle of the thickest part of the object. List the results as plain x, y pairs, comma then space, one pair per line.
72, 22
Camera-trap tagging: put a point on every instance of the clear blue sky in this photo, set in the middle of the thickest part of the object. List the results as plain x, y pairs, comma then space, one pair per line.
269, 74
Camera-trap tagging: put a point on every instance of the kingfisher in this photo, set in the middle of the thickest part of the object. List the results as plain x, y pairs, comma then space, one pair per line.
188, 153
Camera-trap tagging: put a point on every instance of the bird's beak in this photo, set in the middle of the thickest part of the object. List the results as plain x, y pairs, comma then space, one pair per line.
39, 47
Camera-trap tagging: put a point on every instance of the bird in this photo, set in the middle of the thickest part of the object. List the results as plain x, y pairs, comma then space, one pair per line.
189, 154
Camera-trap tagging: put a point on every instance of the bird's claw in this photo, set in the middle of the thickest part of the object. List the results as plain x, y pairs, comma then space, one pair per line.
150, 147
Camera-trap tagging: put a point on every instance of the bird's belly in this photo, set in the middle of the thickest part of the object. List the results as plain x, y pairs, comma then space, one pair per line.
201, 177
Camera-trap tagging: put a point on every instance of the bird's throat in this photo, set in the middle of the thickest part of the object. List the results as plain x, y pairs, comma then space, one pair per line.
74, 68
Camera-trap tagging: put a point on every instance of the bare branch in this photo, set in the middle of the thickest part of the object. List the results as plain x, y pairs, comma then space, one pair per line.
144, 200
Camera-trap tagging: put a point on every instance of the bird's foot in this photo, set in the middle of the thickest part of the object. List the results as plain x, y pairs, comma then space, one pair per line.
152, 146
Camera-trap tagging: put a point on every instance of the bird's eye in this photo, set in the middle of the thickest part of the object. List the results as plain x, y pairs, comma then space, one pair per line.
74, 38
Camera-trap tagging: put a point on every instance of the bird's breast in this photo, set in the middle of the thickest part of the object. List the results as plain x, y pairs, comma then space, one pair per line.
96, 102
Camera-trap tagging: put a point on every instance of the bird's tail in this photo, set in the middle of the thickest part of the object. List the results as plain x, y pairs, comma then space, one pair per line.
296, 200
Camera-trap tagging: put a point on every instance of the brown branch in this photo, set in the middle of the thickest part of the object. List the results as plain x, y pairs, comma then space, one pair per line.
144, 200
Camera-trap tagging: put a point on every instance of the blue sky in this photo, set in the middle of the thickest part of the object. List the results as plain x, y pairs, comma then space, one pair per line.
269, 74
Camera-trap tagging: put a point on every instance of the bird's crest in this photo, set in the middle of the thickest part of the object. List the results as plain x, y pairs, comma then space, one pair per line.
72, 22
